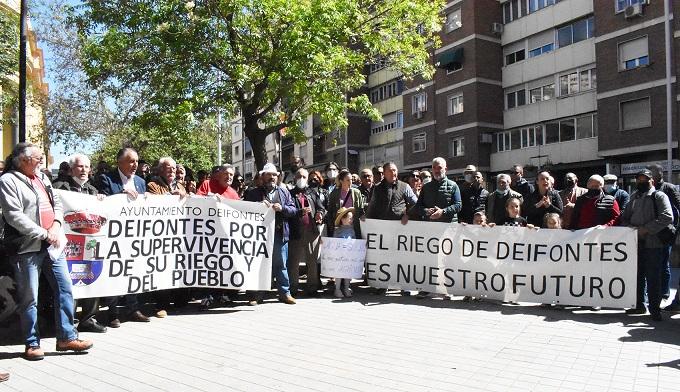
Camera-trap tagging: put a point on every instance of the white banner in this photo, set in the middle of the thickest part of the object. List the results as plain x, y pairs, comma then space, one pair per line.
594, 267
117, 246
342, 258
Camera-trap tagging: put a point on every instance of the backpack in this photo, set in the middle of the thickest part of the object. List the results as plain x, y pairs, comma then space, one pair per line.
667, 234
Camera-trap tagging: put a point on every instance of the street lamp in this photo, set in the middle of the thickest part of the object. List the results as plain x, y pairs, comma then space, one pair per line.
22, 70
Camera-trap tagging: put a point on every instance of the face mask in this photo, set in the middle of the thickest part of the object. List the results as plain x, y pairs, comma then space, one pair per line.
469, 178
570, 183
301, 183
609, 188
313, 183
593, 192
643, 187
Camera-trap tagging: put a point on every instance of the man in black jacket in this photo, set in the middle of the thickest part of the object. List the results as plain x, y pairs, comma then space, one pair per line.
305, 235
519, 184
78, 181
674, 197
473, 196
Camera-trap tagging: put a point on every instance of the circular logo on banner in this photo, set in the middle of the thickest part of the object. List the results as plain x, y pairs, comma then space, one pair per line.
84, 272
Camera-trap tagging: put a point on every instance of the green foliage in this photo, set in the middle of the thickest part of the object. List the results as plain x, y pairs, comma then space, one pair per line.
273, 62
9, 44
155, 135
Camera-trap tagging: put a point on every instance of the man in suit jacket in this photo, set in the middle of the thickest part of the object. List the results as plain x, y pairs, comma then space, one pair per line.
279, 199
304, 234
123, 180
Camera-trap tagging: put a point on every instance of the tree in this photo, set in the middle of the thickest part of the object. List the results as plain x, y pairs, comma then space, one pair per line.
273, 62
9, 43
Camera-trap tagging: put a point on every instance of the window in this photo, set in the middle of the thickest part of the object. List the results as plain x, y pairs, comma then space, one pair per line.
419, 103
633, 53
390, 121
419, 141
581, 80
503, 141
535, 5
514, 57
400, 119
635, 114
552, 132
516, 98
453, 21
532, 136
386, 91
622, 4
454, 67
455, 104
584, 127
515, 139
457, 147
541, 50
236, 152
576, 32
542, 93
512, 10
567, 130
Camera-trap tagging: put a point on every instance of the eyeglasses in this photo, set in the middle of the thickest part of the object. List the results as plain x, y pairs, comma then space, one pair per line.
367, 176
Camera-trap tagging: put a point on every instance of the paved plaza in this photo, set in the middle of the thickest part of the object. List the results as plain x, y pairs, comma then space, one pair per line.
367, 343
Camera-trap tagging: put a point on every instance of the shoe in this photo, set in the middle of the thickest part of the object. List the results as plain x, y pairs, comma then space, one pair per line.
137, 316
115, 323
380, 291
4, 377
405, 293
161, 314
422, 295
206, 303
656, 316
467, 298
641, 310
74, 345
337, 293
34, 353
91, 325
347, 293
445, 297
666, 296
673, 307
287, 299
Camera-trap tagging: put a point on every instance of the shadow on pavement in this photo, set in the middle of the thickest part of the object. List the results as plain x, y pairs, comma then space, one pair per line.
671, 364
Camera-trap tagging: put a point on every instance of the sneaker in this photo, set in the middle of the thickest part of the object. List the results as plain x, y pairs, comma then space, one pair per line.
74, 345
34, 353
206, 303
337, 293
467, 298
673, 307
347, 293
656, 316
287, 299
405, 293
641, 310
380, 291
422, 295
115, 323
162, 313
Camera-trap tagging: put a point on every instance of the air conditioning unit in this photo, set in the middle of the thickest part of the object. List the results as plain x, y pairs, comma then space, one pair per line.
419, 114
497, 28
633, 10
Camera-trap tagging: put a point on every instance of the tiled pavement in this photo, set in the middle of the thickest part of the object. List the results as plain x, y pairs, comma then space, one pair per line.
367, 343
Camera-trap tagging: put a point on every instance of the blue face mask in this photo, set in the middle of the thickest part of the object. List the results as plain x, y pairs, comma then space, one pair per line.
609, 188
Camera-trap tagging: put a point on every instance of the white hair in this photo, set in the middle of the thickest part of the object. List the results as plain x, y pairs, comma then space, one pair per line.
503, 175
597, 178
439, 160
73, 159
167, 160
302, 171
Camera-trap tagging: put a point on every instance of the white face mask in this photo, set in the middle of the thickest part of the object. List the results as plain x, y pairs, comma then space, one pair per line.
331, 174
301, 183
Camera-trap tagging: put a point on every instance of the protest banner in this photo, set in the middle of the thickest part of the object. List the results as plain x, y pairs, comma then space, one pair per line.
593, 267
342, 258
119, 246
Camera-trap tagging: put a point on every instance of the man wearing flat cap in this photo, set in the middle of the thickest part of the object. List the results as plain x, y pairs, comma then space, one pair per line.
279, 199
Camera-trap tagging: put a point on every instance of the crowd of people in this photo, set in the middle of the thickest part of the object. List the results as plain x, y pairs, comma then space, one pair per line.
308, 205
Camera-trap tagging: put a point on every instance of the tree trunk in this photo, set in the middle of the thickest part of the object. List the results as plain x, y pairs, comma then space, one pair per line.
257, 141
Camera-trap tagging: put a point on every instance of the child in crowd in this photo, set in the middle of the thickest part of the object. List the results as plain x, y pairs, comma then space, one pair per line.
552, 221
344, 228
512, 215
479, 219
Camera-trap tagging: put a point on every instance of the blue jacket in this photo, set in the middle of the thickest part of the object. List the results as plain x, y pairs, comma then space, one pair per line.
288, 212
111, 184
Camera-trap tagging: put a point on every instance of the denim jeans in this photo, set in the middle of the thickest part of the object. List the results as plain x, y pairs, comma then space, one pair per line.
279, 269
666, 271
650, 270
27, 269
